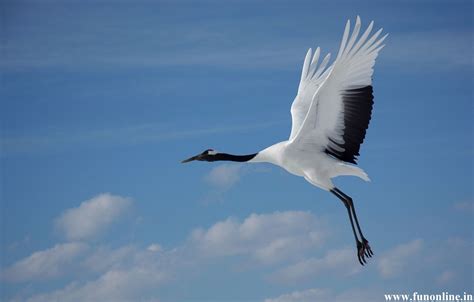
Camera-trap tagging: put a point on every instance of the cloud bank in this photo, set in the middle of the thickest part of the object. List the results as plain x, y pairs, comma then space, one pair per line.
283, 245
92, 217
45, 264
266, 238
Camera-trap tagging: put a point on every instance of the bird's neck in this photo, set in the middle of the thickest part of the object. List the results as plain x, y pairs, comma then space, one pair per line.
232, 157
271, 155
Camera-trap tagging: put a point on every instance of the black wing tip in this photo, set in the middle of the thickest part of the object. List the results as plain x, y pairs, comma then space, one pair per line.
358, 103
330, 151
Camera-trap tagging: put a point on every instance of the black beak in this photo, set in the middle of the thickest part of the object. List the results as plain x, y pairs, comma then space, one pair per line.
190, 159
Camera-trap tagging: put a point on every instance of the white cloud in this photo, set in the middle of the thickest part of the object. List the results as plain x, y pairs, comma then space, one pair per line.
279, 245
132, 273
154, 248
45, 264
395, 261
267, 238
342, 261
134, 284
127, 273
92, 216
104, 258
224, 176
324, 294
309, 295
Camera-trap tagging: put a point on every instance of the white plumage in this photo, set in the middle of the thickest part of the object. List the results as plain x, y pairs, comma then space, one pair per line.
318, 110
330, 115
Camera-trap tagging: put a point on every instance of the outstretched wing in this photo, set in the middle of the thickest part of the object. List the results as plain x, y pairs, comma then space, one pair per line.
312, 76
340, 108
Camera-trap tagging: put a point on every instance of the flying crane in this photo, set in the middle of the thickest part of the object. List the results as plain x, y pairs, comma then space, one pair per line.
330, 115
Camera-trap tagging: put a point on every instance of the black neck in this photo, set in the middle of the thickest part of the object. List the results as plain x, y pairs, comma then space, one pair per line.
231, 157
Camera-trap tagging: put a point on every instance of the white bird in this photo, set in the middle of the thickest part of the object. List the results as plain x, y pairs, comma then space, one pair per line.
330, 115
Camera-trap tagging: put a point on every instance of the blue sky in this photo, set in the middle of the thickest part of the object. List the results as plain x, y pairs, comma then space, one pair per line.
101, 100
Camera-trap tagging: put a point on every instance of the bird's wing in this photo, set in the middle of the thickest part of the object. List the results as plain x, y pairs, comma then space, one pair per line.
340, 108
312, 76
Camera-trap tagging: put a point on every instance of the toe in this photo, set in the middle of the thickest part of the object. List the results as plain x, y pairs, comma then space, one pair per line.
361, 256
370, 251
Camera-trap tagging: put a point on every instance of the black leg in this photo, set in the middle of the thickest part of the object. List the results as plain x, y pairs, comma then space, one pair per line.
348, 212
363, 247
348, 207
351, 203
368, 251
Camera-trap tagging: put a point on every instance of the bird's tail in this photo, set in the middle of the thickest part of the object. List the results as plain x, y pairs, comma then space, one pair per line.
345, 169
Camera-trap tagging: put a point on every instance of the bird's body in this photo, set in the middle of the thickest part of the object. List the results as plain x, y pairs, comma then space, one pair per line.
317, 168
330, 115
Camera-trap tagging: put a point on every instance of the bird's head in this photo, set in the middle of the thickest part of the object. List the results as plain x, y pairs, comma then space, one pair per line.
207, 155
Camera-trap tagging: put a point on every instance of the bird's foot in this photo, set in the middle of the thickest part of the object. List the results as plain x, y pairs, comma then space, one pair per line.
364, 250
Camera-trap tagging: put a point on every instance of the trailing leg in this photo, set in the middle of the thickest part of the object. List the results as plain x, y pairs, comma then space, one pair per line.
363, 247
351, 203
